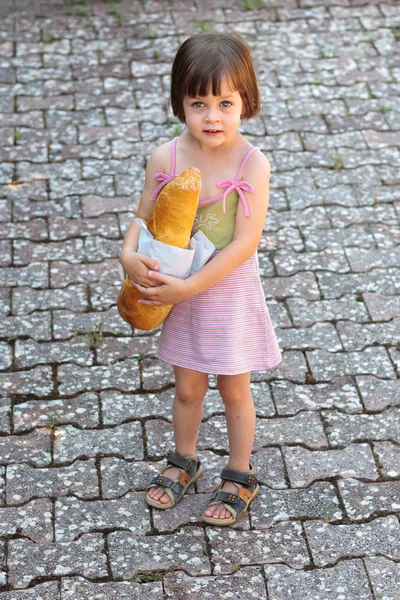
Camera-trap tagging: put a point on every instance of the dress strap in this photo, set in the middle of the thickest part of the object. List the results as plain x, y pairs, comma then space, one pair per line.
238, 184
163, 177
244, 161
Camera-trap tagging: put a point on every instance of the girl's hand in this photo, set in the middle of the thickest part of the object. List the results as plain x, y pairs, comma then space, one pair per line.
169, 290
137, 268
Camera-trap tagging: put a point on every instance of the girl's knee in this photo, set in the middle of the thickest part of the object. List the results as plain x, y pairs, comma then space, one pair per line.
234, 388
190, 396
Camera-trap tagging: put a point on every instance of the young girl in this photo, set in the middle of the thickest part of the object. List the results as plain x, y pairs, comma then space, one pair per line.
220, 322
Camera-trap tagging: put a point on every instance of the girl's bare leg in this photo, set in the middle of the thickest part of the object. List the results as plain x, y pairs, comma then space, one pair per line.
241, 423
187, 413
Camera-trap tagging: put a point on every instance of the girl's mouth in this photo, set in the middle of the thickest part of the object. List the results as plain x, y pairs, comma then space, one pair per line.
212, 131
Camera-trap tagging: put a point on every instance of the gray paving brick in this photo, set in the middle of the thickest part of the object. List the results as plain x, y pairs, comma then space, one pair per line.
362, 499
305, 466
345, 581
43, 591
389, 457
130, 554
30, 353
71, 442
373, 360
28, 560
343, 429
32, 520
282, 543
112, 590
247, 584
340, 393
328, 542
384, 575
377, 394
73, 378
82, 410
24, 481
317, 501
73, 516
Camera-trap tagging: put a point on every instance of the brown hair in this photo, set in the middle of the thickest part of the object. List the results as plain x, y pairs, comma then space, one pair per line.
207, 57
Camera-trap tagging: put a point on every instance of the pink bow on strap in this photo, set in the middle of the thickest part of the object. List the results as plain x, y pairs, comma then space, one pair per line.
164, 178
232, 184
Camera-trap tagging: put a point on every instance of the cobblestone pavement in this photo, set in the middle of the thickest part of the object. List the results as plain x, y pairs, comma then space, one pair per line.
85, 415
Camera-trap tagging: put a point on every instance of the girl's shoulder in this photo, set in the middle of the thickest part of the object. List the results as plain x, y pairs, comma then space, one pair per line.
160, 158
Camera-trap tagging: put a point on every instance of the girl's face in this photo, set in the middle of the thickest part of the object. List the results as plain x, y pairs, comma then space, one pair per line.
214, 120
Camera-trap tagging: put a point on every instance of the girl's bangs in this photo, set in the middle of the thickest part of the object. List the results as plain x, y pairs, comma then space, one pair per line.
198, 82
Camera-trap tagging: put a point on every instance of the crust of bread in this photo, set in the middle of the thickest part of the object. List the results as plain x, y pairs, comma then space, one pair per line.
171, 222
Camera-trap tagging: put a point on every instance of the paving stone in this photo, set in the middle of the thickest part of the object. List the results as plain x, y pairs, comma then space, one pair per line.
130, 554
273, 506
333, 285
26, 251
389, 457
83, 410
71, 442
28, 560
384, 575
305, 427
73, 516
343, 429
29, 353
61, 228
113, 348
67, 324
355, 336
300, 284
364, 499
345, 581
5, 356
5, 414
37, 325
63, 273
120, 476
382, 308
305, 313
73, 378
283, 542
156, 374
114, 590
26, 300
378, 394
374, 361
38, 381
42, 591
340, 393
33, 520
305, 466
247, 584
33, 448
25, 482
289, 262
328, 542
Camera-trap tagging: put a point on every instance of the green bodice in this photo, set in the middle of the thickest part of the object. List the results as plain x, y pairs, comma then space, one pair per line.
218, 226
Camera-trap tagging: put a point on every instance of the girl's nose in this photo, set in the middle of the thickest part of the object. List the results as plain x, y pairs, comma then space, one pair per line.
212, 116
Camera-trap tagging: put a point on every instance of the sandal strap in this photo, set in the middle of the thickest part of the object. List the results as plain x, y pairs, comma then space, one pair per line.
175, 486
247, 479
190, 465
227, 498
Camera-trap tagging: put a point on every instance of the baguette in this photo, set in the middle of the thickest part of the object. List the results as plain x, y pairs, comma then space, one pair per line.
171, 222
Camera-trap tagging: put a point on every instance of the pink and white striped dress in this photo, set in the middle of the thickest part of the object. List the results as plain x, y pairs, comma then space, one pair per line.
227, 328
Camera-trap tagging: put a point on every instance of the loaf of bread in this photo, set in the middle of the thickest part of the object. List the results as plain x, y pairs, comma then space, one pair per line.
171, 222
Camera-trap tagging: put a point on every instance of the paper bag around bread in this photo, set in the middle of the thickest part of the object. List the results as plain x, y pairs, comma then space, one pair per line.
171, 222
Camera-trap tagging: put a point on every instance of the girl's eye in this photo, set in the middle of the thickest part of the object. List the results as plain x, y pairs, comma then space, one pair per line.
196, 103
226, 102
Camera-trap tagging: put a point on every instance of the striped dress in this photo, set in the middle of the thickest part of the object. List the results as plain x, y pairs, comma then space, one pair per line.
226, 329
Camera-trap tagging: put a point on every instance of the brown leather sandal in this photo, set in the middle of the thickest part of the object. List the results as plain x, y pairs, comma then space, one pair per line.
237, 504
175, 489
